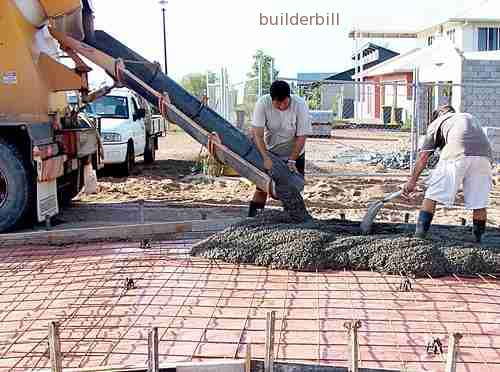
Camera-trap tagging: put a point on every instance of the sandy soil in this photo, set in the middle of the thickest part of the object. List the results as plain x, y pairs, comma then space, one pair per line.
169, 181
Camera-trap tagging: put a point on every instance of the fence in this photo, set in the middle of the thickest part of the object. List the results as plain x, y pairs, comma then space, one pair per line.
222, 96
394, 111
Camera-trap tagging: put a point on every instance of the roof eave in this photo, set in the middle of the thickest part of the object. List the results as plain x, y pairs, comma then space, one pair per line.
439, 25
388, 62
476, 20
396, 71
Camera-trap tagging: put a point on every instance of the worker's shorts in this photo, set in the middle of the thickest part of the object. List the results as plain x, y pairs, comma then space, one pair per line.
474, 173
300, 164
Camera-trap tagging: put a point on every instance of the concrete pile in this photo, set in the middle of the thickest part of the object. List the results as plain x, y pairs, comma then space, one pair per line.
274, 241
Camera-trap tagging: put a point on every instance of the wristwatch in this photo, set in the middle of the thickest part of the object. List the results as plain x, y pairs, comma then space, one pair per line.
291, 161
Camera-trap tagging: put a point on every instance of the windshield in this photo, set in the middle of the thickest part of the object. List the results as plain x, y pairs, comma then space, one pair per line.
109, 107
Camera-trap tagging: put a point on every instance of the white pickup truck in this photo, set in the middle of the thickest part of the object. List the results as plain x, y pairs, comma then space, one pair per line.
128, 128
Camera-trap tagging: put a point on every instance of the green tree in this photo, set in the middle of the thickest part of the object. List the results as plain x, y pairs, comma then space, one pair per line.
261, 62
195, 83
312, 96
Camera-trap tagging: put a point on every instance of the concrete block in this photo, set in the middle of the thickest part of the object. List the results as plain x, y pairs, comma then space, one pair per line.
321, 130
485, 90
483, 74
467, 67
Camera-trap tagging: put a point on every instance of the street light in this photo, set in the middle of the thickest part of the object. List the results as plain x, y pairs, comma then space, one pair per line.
163, 4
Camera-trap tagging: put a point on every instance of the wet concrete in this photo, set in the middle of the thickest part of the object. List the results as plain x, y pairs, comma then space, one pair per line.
273, 241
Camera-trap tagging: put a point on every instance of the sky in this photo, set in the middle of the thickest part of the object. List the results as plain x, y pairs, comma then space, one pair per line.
211, 34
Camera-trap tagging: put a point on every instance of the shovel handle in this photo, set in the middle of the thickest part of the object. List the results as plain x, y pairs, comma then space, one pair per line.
394, 195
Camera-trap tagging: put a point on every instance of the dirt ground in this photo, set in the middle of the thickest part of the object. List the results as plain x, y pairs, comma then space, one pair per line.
169, 183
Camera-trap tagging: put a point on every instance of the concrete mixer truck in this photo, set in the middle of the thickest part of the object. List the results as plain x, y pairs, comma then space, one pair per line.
44, 144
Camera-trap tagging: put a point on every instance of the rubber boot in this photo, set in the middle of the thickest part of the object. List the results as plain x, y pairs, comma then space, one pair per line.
254, 208
478, 229
423, 224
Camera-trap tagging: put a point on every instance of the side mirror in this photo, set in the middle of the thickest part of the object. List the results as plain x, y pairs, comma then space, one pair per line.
140, 114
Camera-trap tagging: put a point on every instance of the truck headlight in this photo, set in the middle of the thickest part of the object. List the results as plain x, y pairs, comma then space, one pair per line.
111, 137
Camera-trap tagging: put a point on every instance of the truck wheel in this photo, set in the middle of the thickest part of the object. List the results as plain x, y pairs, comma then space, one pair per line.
129, 164
16, 187
150, 151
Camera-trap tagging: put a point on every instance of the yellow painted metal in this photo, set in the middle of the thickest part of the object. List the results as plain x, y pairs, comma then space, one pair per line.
23, 91
56, 8
28, 81
59, 77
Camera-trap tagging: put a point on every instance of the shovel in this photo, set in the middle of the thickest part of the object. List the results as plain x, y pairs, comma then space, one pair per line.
374, 208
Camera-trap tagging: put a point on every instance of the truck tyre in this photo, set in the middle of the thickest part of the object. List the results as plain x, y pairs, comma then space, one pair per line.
150, 151
126, 168
16, 187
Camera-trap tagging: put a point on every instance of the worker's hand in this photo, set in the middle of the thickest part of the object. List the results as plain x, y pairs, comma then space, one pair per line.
409, 187
292, 166
268, 163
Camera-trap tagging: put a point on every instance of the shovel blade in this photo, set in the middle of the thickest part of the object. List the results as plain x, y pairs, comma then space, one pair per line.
373, 209
370, 216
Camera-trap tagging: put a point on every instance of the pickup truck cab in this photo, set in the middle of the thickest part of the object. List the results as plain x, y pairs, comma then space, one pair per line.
126, 129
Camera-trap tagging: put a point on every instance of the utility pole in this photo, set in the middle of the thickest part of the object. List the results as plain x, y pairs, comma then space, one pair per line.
163, 4
271, 71
259, 93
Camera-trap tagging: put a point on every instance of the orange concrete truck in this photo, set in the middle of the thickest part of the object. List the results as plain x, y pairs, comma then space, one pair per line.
44, 143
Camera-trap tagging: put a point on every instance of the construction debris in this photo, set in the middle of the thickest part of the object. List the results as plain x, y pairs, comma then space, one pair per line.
396, 160
393, 160
129, 284
274, 241
435, 346
406, 285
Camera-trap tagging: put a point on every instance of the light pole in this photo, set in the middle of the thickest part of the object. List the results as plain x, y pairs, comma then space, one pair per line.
163, 4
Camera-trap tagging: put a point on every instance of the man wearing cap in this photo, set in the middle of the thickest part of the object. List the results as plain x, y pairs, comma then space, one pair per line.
465, 160
281, 124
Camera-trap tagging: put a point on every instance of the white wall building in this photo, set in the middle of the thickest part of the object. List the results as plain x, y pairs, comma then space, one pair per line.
461, 56
475, 30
